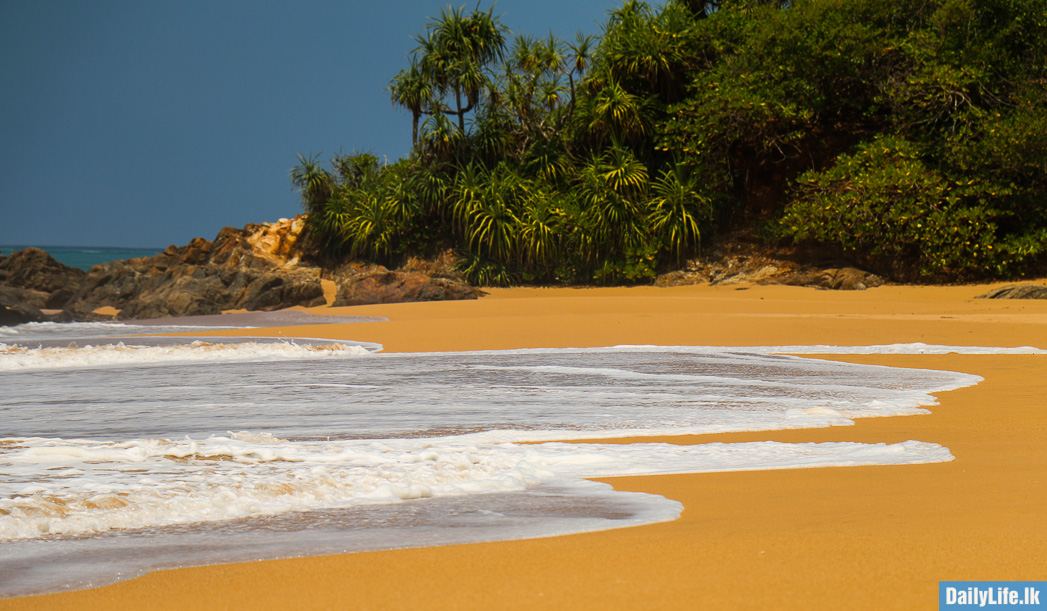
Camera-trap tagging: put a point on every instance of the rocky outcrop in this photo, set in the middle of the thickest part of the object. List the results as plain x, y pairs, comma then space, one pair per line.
50, 284
752, 267
254, 268
1017, 291
16, 307
257, 268
398, 286
842, 279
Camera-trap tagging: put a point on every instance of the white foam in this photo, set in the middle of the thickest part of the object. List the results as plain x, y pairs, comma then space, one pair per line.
48, 331
79, 487
87, 447
485, 397
14, 358
910, 348
826, 349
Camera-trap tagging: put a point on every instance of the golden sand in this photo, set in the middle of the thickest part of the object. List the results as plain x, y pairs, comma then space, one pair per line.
832, 538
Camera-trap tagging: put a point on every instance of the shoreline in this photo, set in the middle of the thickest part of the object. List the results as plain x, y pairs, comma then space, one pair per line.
852, 537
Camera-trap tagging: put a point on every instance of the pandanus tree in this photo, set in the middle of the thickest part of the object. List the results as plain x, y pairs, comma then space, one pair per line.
449, 68
677, 210
646, 50
314, 183
413, 91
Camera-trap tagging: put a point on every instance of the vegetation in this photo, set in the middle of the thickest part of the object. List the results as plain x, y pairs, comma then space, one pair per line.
908, 136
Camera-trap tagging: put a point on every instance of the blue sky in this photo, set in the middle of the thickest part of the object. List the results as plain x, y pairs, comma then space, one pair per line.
145, 123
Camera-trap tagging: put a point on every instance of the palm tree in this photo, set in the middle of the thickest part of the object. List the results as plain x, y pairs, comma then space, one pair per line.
618, 114
412, 90
540, 224
677, 210
315, 184
454, 56
372, 228
581, 57
613, 187
439, 138
491, 224
645, 50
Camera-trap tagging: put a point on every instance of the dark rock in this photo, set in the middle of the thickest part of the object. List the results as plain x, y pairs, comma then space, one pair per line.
272, 291
255, 268
36, 270
397, 287
852, 279
60, 298
1017, 291
37, 299
183, 296
843, 279
15, 309
677, 278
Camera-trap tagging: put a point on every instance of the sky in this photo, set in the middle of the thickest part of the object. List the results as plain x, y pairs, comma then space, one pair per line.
144, 123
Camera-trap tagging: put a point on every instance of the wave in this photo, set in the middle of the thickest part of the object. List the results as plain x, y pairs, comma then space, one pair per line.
90, 487
20, 358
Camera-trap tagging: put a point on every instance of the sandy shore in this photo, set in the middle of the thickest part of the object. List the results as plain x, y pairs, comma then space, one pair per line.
840, 538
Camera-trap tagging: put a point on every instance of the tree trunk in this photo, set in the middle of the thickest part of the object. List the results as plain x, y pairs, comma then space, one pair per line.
461, 113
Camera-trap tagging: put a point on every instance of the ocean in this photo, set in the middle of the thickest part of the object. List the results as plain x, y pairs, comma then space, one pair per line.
121, 456
86, 257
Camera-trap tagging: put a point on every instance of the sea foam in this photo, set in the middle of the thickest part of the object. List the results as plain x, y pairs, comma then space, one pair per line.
115, 453
92, 487
128, 352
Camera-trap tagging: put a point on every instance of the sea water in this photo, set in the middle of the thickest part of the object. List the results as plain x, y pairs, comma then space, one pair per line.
85, 257
124, 456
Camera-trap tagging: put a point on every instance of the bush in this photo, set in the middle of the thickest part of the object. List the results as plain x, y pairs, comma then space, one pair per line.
888, 211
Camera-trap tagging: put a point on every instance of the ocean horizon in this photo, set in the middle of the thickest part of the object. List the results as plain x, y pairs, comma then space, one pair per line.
84, 257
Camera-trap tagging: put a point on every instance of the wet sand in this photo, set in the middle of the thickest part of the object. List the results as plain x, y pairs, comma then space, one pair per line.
858, 537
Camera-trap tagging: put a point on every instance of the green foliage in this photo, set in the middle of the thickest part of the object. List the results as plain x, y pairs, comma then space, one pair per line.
678, 209
484, 272
886, 208
909, 136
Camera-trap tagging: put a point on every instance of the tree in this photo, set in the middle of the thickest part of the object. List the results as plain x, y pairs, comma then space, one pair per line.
448, 69
413, 91
315, 184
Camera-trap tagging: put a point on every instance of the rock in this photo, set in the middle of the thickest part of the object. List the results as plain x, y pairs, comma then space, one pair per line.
183, 296
852, 279
255, 268
36, 270
843, 279
272, 291
1017, 291
60, 298
746, 275
15, 309
259, 267
37, 299
397, 287
678, 278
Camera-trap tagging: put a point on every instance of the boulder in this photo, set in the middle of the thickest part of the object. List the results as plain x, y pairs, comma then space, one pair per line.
851, 279
1017, 291
15, 309
273, 291
60, 298
35, 270
258, 267
678, 278
842, 279
396, 287
255, 268
183, 296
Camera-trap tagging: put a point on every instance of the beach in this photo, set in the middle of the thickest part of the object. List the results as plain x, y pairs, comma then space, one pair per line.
847, 537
